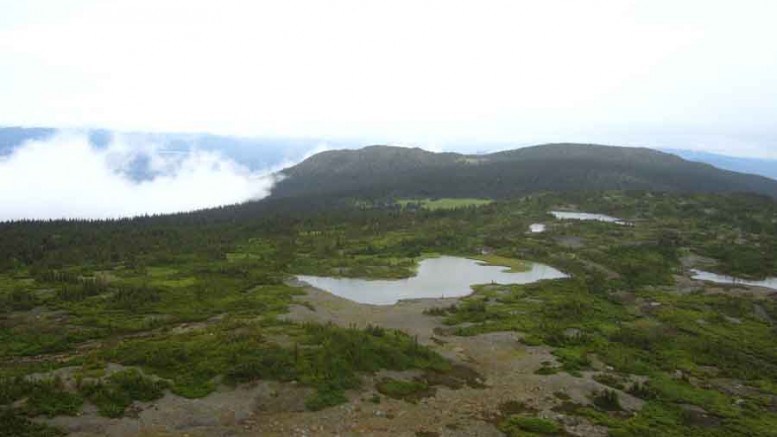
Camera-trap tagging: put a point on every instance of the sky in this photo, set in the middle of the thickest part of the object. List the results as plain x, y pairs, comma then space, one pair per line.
682, 74
443, 75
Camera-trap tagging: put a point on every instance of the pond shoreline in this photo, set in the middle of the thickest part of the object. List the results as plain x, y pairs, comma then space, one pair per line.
440, 277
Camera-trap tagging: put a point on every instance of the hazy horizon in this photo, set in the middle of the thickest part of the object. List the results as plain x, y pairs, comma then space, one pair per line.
436, 74
459, 76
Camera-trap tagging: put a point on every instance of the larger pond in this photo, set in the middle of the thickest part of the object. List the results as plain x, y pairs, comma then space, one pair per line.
446, 276
723, 279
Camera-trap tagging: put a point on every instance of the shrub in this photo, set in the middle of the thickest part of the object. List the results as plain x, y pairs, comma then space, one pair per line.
18, 300
44, 397
642, 390
271, 363
406, 390
12, 389
532, 340
14, 425
118, 391
50, 398
325, 396
607, 400
440, 311
517, 425
609, 379
137, 386
133, 298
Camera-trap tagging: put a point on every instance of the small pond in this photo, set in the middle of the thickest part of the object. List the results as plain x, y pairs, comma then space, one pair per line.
723, 279
537, 228
567, 215
446, 276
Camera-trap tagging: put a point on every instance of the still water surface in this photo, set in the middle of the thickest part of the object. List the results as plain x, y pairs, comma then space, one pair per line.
566, 215
723, 279
446, 276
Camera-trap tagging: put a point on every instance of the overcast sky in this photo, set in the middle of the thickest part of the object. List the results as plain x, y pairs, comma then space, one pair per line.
683, 74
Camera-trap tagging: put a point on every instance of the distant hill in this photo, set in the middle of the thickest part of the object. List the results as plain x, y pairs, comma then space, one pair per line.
395, 171
11, 137
263, 153
761, 166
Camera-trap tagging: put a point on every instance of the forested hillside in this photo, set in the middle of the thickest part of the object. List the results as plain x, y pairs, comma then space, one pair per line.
393, 171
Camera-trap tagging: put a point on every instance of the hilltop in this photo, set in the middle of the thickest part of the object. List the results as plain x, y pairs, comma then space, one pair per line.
403, 172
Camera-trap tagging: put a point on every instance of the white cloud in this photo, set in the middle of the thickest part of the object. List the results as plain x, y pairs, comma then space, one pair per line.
66, 177
400, 71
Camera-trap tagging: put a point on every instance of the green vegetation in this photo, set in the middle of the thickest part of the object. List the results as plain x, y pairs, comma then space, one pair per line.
410, 391
190, 302
323, 356
445, 203
683, 335
13, 425
515, 265
518, 425
39, 397
607, 400
394, 172
118, 391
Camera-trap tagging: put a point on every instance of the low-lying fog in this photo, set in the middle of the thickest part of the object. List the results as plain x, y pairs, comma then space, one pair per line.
66, 176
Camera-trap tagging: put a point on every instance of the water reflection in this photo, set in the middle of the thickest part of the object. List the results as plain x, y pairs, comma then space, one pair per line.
723, 279
446, 276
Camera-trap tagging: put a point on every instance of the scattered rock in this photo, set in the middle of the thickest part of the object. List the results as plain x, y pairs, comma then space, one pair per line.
696, 416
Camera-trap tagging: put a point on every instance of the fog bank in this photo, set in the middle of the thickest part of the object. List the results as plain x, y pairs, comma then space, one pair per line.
67, 177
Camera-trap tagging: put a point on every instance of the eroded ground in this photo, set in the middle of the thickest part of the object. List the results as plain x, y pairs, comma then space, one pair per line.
503, 375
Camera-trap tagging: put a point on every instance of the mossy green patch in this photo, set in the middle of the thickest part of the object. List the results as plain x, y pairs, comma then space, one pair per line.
515, 265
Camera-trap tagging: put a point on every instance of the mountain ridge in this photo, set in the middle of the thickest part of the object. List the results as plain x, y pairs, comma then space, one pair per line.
260, 153
396, 171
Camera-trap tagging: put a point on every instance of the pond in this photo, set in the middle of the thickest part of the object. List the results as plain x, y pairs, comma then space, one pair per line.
567, 215
536, 228
445, 276
723, 279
